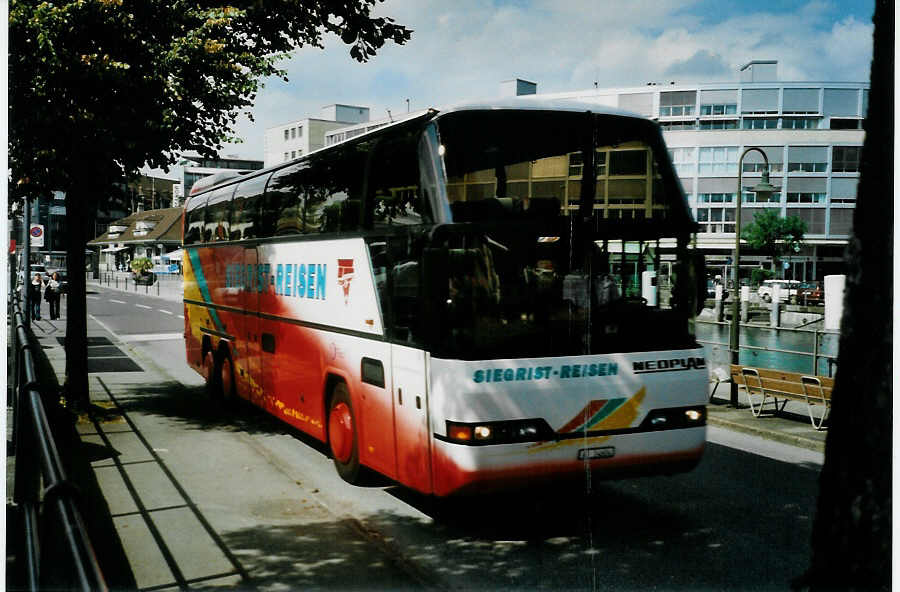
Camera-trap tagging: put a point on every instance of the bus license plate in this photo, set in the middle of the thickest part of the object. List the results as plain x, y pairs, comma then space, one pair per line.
595, 453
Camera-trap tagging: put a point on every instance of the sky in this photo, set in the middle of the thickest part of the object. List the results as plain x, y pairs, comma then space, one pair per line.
462, 50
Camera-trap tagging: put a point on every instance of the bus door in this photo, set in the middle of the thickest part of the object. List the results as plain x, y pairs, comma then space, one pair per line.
410, 390
250, 376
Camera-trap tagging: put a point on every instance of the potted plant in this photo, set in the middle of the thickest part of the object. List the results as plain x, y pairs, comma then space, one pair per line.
140, 268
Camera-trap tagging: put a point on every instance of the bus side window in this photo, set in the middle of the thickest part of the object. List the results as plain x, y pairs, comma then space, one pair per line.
281, 209
218, 215
193, 220
395, 198
245, 208
333, 196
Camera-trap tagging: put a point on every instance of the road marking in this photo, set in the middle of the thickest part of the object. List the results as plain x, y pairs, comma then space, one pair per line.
168, 312
118, 301
181, 317
94, 297
143, 306
151, 336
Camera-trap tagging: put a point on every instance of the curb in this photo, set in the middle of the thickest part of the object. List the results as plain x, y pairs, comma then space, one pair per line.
777, 436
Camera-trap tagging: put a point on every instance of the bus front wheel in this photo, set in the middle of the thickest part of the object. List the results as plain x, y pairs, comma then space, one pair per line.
342, 434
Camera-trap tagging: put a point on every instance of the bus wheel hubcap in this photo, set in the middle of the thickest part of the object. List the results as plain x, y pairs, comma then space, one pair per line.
340, 430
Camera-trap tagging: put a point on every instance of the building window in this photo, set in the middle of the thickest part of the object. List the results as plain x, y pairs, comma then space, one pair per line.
677, 103
293, 133
299, 131
715, 220
752, 197
845, 159
719, 160
715, 198
719, 109
807, 167
719, 125
678, 125
844, 124
799, 123
287, 155
760, 123
293, 154
287, 134
805, 197
685, 161
759, 167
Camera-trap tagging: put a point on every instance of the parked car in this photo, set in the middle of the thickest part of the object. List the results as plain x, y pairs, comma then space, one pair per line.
788, 290
810, 293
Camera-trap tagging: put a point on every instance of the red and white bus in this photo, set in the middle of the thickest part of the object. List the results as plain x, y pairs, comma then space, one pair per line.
461, 301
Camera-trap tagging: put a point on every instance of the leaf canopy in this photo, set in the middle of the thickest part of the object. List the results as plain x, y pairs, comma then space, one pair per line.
98, 88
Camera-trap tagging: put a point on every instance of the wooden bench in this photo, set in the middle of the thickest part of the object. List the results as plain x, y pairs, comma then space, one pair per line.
779, 385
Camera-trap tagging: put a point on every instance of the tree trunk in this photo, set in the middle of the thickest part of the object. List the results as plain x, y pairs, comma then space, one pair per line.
80, 214
851, 542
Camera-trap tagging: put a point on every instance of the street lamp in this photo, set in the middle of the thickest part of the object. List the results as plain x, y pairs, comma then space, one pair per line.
763, 190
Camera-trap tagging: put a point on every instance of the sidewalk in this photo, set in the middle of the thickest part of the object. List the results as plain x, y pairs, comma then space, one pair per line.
159, 537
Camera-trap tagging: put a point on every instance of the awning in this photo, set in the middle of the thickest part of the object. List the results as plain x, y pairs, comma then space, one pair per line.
174, 255
112, 249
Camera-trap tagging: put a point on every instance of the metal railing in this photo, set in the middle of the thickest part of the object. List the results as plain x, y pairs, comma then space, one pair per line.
164, 285
816, 354
68, 560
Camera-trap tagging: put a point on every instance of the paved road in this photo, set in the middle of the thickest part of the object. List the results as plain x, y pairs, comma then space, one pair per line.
201, 497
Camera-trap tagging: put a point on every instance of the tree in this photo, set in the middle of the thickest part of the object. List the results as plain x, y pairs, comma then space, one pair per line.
773, 235
851, 540
99, 88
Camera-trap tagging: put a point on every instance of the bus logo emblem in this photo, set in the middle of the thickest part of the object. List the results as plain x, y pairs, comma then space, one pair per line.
344, 277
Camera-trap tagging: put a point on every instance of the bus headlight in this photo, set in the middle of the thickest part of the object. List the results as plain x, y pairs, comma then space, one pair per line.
482, 432
693, 415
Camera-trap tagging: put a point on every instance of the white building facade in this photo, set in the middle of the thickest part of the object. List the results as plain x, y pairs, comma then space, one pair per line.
811, 133
293, 139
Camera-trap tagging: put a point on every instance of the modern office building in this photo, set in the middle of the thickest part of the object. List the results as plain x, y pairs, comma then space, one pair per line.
811, 133
295, 138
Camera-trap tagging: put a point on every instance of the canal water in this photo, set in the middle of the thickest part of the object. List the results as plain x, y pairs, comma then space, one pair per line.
715, 337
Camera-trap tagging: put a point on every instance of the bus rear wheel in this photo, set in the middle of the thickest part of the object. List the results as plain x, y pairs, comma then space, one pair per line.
342, 435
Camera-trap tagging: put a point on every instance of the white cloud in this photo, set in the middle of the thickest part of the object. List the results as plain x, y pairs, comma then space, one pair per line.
463, 50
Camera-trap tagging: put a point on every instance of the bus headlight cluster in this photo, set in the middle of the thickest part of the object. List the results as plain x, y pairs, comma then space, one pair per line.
499, 432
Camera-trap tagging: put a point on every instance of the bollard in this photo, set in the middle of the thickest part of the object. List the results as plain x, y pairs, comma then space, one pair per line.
745, 304
718, 306
775, 311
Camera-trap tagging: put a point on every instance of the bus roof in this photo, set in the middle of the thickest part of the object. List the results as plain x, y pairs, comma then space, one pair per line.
526, 103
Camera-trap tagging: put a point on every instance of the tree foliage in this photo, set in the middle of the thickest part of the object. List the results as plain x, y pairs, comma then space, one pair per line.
98, 88
773, 235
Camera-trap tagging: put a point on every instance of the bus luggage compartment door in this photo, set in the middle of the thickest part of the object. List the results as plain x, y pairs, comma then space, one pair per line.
410, 394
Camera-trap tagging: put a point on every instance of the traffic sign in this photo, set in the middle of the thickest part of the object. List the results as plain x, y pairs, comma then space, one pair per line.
37, 235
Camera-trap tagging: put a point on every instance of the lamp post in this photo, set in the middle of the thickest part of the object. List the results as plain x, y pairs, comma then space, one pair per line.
763, 189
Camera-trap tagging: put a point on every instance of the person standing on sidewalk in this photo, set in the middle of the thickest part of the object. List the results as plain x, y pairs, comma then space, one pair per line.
34, 297
51, 295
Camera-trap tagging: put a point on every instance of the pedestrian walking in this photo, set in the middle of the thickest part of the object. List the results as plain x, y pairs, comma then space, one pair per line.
34, 296
52, 294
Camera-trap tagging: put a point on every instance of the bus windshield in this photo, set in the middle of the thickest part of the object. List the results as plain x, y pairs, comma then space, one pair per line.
538, 261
